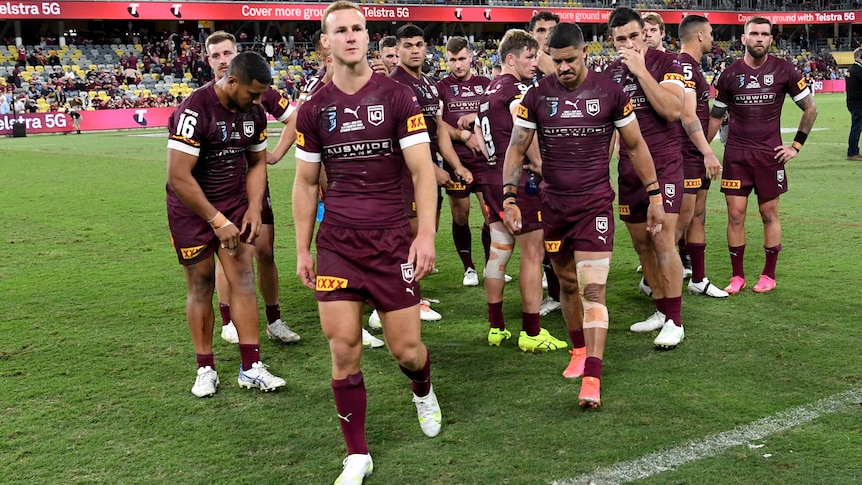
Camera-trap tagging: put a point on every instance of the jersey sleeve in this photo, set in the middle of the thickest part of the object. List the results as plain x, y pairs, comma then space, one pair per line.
188, 131
259, 137
525, 116
688, 73
409, 119
722, 98
797, 88
276, 105
673, 73
624, 113
307, 139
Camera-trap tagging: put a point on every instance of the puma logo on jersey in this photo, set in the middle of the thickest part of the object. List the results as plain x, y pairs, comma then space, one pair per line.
354, 112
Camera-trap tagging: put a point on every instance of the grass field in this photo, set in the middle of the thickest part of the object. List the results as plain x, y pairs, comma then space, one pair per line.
96, 361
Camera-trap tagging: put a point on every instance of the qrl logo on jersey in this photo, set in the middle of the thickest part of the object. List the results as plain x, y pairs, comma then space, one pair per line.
602, 224
593, 107
407, 273
552, 246
768, 79
330, 283
248, 128
375, 114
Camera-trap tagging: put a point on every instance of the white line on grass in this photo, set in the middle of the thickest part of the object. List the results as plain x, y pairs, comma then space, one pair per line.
712, 445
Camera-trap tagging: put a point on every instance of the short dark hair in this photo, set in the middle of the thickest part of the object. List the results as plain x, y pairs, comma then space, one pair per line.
758, 21
218, 37
249, 66
543, 15
457, 44
690, 24
514, 42
409, 30
622, 16
315, 39
565, 35
857, 54
388, 41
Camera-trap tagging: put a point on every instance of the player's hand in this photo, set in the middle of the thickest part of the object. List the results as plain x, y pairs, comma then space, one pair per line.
305, 270
378, 66
465, 122
228, 236
655, 218
442, 177
713, 167
251, 223
634, 60
784, 153
512, 217
465, 174
422, 255
270, 159
473, 144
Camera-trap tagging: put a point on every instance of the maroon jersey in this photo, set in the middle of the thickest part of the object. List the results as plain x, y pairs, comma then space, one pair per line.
754, 98
462, 98
425, 91
695, 82
312, 84
276, 105
575, 130
662, 136
359, 137
495, 119
203, 127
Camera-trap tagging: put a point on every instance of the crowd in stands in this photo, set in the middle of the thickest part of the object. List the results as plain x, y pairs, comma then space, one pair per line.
160, 70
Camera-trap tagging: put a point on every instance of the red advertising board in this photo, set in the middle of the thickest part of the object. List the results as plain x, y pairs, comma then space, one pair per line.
108, 119
145, 10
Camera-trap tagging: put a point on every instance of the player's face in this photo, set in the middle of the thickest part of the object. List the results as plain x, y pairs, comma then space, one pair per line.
541, 31
629, 36
525, 63
459, 63
247, 95
757, 40
570, 65
220, 56
346, 37
652, 35
411, 51
389, 56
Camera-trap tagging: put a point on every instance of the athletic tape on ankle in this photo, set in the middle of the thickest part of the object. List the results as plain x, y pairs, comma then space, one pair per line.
502, 244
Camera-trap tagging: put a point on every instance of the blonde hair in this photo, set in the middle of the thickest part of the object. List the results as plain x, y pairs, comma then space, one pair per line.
217, 37
336, 6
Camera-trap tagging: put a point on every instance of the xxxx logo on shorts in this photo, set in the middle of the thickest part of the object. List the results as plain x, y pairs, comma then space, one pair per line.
192, 253
458, 186
330, 283
731, 184
624, 210
693, 183
552, 246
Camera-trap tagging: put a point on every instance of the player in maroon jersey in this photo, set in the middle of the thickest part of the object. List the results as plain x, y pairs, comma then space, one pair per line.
221, 49
518, 56
461, 92
752, 91
654, 81
216, 181
700, 165
575, 114
364, 128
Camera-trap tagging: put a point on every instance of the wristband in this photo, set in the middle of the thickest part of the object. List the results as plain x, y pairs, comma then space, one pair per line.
653, 192
509, 195
655, 200
219, 221
797, 146
800, 139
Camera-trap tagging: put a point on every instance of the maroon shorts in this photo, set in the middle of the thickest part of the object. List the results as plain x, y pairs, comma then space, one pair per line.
578, 223
366, 264
461, 189
266, 214
410, 197
193, 238
530, 205
745, 170
634, 200
696, 178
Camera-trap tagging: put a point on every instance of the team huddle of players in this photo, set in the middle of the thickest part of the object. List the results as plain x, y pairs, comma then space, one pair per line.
377, 140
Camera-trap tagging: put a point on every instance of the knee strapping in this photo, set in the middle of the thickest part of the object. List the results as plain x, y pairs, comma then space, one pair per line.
502, 244
593, 272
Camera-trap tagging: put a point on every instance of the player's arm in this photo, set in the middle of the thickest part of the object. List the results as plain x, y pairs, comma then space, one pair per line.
716, 117
181, 181
444, 144
285, 141
255, 186
642, 161
533, 155
665, 98
784, 153
304, 202
519, 144
422, 253
693, 128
